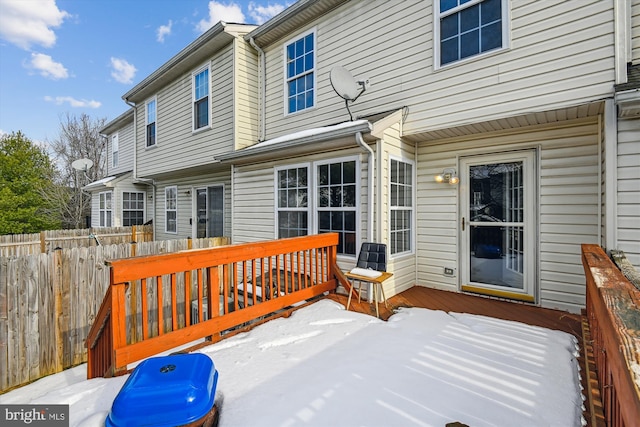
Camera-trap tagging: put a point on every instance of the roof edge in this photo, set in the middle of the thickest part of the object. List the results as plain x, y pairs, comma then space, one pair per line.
275, 146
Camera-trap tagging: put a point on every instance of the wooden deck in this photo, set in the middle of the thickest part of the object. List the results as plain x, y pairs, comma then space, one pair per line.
434, 299
419, 296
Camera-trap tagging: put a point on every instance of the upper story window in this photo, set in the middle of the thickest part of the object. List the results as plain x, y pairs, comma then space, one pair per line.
114, 150
150, 114
171, 209
201, 96
300, 73
465, 28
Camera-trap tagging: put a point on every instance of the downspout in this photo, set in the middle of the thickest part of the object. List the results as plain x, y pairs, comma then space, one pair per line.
262, 90
150, 182
370, 156
611, 175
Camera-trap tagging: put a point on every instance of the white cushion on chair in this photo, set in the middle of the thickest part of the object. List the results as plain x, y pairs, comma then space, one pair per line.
366, 272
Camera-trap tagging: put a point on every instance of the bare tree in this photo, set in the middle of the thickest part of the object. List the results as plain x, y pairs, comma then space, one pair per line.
79, 138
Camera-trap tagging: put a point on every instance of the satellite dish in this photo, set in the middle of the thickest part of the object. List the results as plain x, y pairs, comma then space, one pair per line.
346, 86
82, 164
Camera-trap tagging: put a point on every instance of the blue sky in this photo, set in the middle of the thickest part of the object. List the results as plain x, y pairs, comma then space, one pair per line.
81, 56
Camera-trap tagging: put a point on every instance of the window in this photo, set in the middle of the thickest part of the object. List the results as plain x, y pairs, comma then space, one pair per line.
468, 27
114, 150
106, 212
151, 122
171, 209
201, 97
292, 202
132, 208
401, 206
299, 73
337, 196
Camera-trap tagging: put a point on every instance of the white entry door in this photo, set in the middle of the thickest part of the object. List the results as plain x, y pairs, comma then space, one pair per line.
498, 212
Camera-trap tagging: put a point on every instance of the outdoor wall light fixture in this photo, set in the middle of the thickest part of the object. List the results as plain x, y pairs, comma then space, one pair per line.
448, 175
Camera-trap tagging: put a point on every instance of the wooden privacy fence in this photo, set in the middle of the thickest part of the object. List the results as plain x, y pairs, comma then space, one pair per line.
613, 312
48, 303
48, 241
158, 303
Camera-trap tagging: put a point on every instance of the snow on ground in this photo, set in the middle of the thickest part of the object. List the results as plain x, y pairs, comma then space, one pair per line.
325, 366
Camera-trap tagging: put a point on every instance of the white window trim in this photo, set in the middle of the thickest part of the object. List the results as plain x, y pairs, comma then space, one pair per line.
207, 67
506, 39
146, 121
144, 205
413, 206
105, 210
115, 147
315, 72
358, 208
167, 188
310, 197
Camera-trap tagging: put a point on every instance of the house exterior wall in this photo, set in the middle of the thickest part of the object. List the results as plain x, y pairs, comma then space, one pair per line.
186, 213
567, 215
120, 186
559, 55
403, 265
245, 94
628, 189
125, 150
635, 31
178, 146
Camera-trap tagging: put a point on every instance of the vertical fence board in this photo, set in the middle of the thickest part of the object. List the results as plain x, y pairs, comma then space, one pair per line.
32, 350
4, 324
46, 316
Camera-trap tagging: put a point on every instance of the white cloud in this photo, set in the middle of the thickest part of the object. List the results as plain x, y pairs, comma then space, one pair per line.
231, 12
262, 14
48, 67
122, 71
163, 31
24, 23
76, 103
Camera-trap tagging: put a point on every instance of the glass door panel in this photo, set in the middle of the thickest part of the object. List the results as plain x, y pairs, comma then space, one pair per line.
497, 224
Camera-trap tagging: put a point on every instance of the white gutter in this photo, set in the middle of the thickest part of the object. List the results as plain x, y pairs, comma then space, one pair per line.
262, 90
366, 147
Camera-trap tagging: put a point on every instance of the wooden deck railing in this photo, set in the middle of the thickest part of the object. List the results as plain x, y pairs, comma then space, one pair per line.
160, 302
613, 311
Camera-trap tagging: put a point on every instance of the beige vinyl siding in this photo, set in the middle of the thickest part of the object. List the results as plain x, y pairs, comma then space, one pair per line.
560, 54
125, 150
629, 189
177, 146
567, 212
403, 266
635, 31
95, 210
246, 94
185, 212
